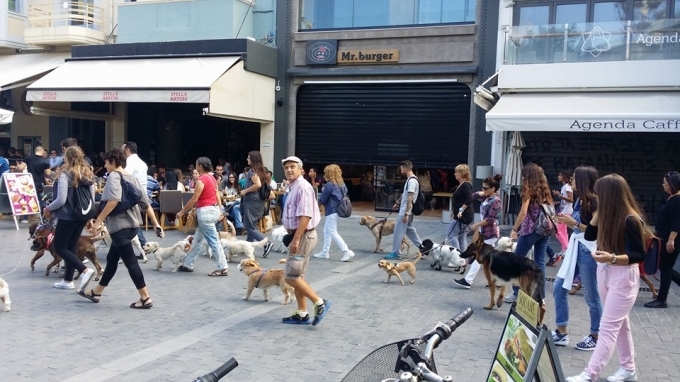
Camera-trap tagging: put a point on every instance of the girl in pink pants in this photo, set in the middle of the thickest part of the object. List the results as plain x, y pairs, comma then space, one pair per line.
618, 275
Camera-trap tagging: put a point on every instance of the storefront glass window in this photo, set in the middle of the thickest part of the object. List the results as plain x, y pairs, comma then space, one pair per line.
338, 14
533, 21
677, 9
612, 15
14, 6
574, 15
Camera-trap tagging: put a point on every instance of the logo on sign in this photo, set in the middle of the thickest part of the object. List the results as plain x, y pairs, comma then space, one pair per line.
49, 96
179, 97
322, 52
110, 96
596, 41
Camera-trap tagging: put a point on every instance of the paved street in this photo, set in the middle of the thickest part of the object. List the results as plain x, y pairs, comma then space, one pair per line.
198, 322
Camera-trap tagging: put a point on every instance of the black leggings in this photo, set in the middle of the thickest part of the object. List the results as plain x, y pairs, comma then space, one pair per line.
65, 242
121, 248
667, 272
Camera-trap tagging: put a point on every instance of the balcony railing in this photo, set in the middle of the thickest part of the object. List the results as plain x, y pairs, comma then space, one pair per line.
65, 13
593, 42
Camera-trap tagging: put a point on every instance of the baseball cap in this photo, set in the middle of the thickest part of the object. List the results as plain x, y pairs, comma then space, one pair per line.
292, 158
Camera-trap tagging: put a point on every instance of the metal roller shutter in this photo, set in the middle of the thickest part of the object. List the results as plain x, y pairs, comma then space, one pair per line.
641, 158
382, 124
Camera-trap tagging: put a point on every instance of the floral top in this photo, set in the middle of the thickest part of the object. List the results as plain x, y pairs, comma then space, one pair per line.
489, 211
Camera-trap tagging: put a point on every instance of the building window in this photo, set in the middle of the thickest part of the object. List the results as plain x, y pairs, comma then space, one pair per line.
345, 14
14, 6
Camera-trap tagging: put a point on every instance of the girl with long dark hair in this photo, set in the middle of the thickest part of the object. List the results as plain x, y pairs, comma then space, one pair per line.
252, 206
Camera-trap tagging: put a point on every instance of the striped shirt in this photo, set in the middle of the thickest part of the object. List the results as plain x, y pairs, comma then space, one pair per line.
301, 201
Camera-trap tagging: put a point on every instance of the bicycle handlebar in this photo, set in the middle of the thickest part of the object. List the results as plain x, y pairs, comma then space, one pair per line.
220, 372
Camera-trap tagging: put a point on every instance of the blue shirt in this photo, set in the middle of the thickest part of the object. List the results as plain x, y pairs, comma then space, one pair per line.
4, 165
56, 161
331, 196
152, 186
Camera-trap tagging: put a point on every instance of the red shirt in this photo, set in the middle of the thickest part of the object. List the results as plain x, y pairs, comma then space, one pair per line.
208, 197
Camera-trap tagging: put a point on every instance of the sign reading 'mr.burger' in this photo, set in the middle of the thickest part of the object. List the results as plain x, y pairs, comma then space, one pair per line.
348, 57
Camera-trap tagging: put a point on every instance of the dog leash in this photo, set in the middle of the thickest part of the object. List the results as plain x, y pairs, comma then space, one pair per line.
20, 259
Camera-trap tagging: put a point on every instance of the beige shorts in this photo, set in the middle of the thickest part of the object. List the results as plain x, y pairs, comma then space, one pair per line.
296, 265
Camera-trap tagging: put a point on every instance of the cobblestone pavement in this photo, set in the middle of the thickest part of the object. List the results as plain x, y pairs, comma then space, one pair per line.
198, 322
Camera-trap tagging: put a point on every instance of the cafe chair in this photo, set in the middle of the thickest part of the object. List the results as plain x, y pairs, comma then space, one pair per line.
171, 203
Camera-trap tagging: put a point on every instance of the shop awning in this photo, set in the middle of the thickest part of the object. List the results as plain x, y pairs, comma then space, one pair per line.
592, 112
22, 69
221, 82
6, 116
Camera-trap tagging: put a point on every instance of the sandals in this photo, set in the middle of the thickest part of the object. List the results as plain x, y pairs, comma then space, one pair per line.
218, 272
182, 268
145, 304
94, 297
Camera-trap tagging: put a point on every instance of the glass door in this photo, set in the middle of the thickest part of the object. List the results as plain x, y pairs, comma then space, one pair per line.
388, 185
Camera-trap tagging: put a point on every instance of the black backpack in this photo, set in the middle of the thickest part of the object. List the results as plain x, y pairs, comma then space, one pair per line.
344, 206
419, 203
130, 197
84, 205
264, 191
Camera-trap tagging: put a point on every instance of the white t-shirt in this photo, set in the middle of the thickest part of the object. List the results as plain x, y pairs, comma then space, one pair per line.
137, 168
566, 207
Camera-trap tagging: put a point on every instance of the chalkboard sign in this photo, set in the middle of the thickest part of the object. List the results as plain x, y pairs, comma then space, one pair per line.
525, 353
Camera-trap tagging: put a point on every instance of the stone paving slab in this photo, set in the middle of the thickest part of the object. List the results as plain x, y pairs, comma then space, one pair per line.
198, 322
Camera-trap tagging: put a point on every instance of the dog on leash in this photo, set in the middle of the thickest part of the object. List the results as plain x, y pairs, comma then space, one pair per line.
265, 279
177, 253
502, 268
277, 239
84, 249
4, 295
444, 254
380, 228
394, 269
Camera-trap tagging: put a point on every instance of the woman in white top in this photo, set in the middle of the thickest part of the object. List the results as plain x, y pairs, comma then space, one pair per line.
566, 198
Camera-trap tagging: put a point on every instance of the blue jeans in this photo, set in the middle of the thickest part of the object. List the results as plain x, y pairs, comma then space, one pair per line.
140, 235
236, 214
588, 268
206, 217
456, 235
540, 244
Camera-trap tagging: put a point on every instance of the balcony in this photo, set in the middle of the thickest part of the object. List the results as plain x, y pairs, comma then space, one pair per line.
593, 42
64, 23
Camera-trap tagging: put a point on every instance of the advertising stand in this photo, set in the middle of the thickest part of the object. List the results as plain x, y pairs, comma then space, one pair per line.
525, 352
18, 195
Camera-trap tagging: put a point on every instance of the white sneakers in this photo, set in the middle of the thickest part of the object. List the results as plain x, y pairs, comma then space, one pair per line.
347, 255
321, 255
85, 278
64, 285
621, 375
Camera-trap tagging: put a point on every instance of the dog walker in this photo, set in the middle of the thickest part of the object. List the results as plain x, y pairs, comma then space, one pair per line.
414, 357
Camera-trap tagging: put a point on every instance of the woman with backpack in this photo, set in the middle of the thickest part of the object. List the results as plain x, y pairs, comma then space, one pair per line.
122, 226
621, 233
73, 174
535, 194
252, 204
331, 196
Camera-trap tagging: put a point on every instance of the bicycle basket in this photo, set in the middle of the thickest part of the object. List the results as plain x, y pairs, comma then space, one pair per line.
380, 364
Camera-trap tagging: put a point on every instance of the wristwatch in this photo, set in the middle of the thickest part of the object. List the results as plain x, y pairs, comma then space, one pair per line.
613, 258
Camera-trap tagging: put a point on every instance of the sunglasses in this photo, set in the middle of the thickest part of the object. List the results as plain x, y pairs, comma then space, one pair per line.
485, 188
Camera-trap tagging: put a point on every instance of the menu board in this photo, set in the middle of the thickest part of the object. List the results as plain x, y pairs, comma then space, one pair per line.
23, 197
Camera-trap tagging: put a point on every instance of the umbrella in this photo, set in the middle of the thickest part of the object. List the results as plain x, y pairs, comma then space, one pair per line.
6, 116
513, 174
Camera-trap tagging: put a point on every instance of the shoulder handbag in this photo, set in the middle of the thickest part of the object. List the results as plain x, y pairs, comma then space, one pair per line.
545, 223
130, 196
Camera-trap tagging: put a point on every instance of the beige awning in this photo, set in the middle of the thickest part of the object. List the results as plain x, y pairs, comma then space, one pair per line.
6, 116
221, 82
22, 69
592, 112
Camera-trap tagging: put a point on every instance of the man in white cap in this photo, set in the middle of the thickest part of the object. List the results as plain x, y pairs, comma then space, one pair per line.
300, 218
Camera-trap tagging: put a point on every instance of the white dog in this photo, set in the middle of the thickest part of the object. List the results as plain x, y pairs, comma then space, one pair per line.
277, 239
449, 255
4, 295
237, 247
177, 253
506, 244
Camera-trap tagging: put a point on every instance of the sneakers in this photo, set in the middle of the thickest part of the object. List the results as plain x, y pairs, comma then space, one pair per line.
656, 304
392, 256
296, 319
85, 278
461, 283
587, 344
320, 311
510, 299
347, 255
560, 339
583, 377
321, 255
267, 249
64, 285
554, 260
85, 261
623, 375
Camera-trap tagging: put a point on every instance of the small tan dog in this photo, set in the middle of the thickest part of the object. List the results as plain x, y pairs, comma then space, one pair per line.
380, 228
265, 279
394, 269
4, 295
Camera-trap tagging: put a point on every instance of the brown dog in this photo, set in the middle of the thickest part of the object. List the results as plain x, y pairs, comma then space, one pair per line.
84, 249
44, 231
265, 279
394, 269
380, 228
501, 268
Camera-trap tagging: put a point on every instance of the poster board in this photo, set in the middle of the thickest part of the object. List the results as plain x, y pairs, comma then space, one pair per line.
19, 194
525, 353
